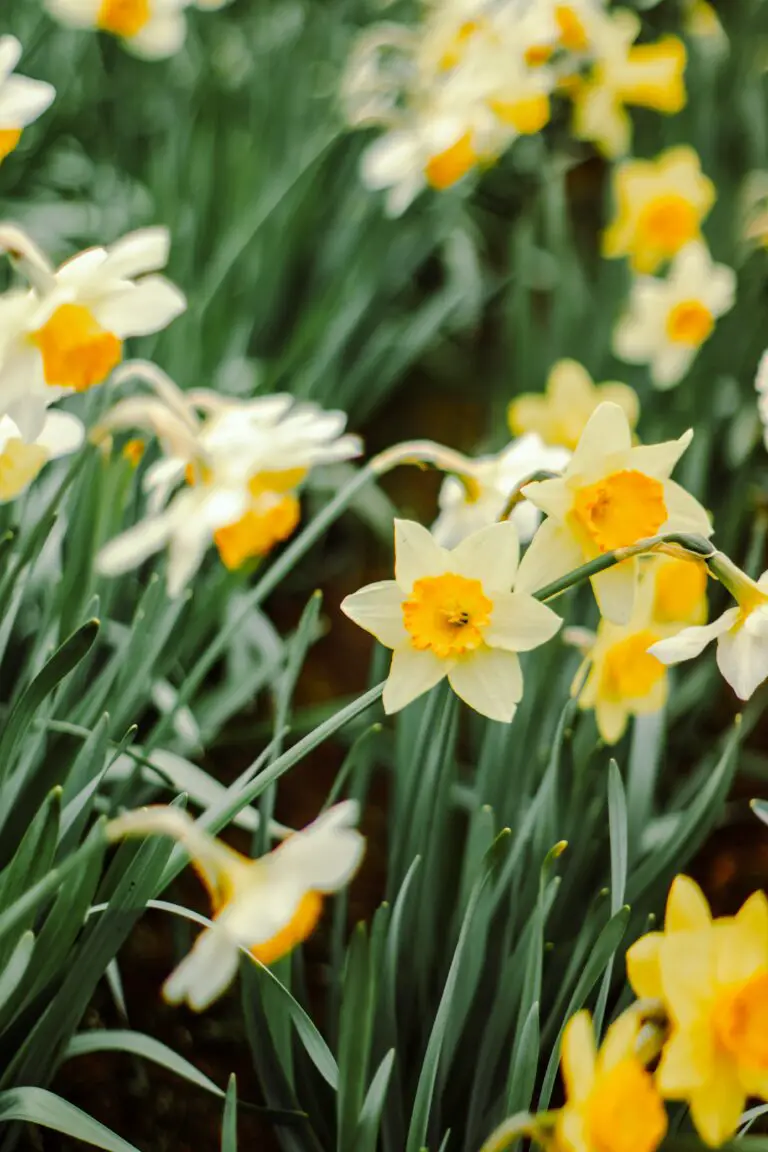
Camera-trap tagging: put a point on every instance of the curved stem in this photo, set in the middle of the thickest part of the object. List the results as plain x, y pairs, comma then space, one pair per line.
422, 452
517, 1126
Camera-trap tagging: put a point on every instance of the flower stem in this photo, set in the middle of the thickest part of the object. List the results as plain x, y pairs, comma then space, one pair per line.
512, 1129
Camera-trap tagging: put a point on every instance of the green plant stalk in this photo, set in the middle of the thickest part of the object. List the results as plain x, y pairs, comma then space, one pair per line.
522, 1124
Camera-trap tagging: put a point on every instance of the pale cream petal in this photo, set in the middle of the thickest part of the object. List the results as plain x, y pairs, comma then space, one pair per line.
324, 856
378, 608
519, 623
685, 513
687, 1062
411, 673
643, 971
570, 385
551, 496
205, 973
163, 36
490, 681
607, 432
552, 553
140, 309
615, 591
571, 1131
136, 253
490, 555
134, 545
670, 363
578, 1057
62, 433
743, 660
624, 396
742, 947
691, 642
658, 460
687, 907
417, 554
717, 1107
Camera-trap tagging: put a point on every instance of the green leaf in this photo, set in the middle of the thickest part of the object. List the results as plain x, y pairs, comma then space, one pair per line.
229, 1118
124, 1040
31, 861
16, 967
355, 1031
422, 1105
38, 1106
369, 1123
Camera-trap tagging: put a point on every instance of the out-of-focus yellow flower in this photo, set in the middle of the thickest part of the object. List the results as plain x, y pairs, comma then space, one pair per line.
660, 205
133, 451
680, 590
712, 977
612, 1104
702, 24
152, 29
22, 100
667, 321
623, 73
560, 416
271, 517
610, 496
454, 614
21, 460
266, 906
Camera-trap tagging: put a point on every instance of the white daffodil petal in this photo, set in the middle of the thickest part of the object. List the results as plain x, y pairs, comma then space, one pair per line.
607, 430
519, 623
411, 673
320, 861
743, 660
22, 100
551, 554
684, 513
416, 554
10, 54
490, 556
490, 681
551, 496
614, 591
133, 546
378, 608
690, 642
62, 433
658, 460
141, 309
670, 364
206, 972
163, 36
139, 252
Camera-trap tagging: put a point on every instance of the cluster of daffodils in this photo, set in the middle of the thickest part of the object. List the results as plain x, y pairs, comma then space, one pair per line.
455, 91
229, 472
697, 1034
63, 333
659, 208
151, 29
262, 908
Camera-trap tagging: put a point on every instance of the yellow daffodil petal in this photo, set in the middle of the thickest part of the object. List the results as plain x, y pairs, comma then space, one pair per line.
687, 907
578, 1057
687, 1062
643, 970
717, 1108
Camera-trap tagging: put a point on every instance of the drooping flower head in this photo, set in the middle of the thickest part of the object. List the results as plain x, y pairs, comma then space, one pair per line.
266, 906
454, 613
611, 495
667, 321
66, 334
570, 397
152, 29
22, 100
712, 978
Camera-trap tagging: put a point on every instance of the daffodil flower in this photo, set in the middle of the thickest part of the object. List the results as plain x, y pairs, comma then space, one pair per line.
21, 461
660, 205
22, 100
667, 321
741, 632
761, 387
266, 906
570, 397
478, 499
152, 29
610, 496
712, 978
624, 73
67, 333
612, 1104
453, 613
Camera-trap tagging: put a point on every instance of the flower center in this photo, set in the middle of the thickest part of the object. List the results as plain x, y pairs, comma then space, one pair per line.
77, 352
19, 464
629, 670
258, 531
302, 925
666, 223
448, 167
620, 509
573, 35
447, 614
123, 17
741, 1021
537, 54
624, 1111
689, 322
9, 138
680, 591
526, 116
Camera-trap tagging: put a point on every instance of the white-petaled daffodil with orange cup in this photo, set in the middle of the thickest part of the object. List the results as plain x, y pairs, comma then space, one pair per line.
22, 100
152, 29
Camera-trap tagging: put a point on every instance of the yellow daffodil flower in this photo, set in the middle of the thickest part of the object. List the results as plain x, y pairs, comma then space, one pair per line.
667, 321
454, 613
22, 100
610, 496
712, 977
741, 632
570, 397
624, 73
152, 29
266, 906
679, 590
612, 1104
660, 205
